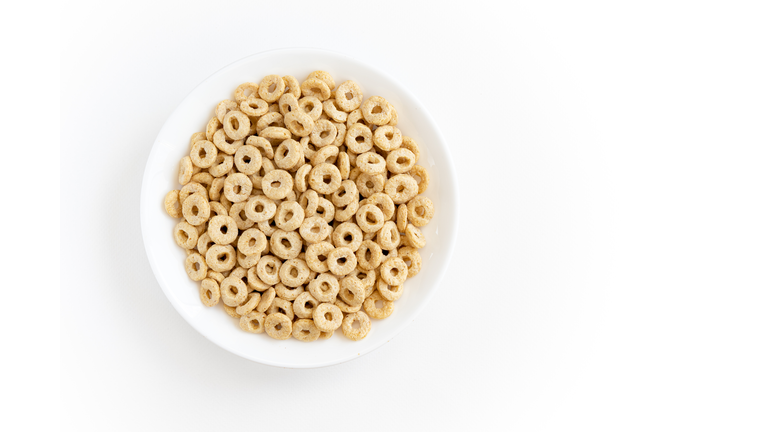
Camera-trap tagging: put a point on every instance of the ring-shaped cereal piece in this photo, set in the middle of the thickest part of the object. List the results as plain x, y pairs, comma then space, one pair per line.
423, 181
195, 267
309, 201
356, 334
324, 288
285, 244
315, 87
339, 303
314, 254
305, 330
246, 90
185, 235
222, 230
292, 86
383, 202
268, 269
371, 163
369, 218
393, 271
217, 185
400, 161
172, 205
359, 138
218, 277
401, 188
213, 125
186, 170
249, 305
333, 111
347, 235
247, 261
233, 291
300, 179
266, 300
203, 153
325, 210
231, 312
222, 166
349, 96
325, 178
254, 107
293, 272
389, 292
225, 143
197, 136
341, 133
237, 212
412, 259
280, 305
267, 227
252, 242
323, 134
402, 217
236, 125
221, 258
259, 208
299, 123
323, 76
327, 317
288, 103
204, 242
415, 237
275, 133
370, 308
393, 120
288, 154
345, 213
388, 236
305, 305
247, 159
289, 216
237, 187
196, 209
387, 138
368, 184
367, 277
271, 88
190, 189
376, 110
254, 281
278, 326
276, 184
288, 293
262, 145
326, 154
345, 194
270, 119
342, 163
223, 107
410, 144
314, 229
420, 211
355, 117
312, 106
341, 261
253, 322
352, 290
209, 292
204, 179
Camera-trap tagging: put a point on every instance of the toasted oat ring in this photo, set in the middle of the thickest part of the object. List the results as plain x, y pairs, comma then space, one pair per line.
309, 201
253, 322
222, 165
326, 154
352, 290
268, 269
393, 120
218, 277
369, 255
402, 217
185, 235
323, 134
278, 326
266, 300
339, 303
293, 272
323, 76
231, 312
196, 209
292, 86
249, 305
359, 138
376, 110
262, 145
347, 235
204, 179
370, 218
369, 305
313, 254
371, 163
401, 188
327, 316
349, 96
341, 261
186, 170
282, 306
305, 330
389, 292
388, 237
195, 267
345, 213
325, 178
254, 107
420, 172
246, 90
393, 271
312, 106
247, 261
276, 184
191, 188
314, 229
254, 282
316, 88
345, 194
204, 242
355, 117
342, 163
209, 292
299, 122
197, 136
259, 208
236, 125
324, 288
225, 143
300, 179
420, 211
289, 216
368, 184
285, 244
415, 237
203, 153
412, 259
222, 230
325, 210
214, 192
233, 291
353, 333
247, 159
172, 205
267, 227
270, 119
367, 277
237, 187
271, 88
400, 161
288, 293
305, 305
333, 111
223, 107
252, 242
341, 133
275, 133
383, 202
221, 258
288, 103
213, 125
387, 138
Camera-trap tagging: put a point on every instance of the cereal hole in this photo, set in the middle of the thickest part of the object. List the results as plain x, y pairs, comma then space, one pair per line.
315, 229
389, 135
360, 139
370, 218
328, 316
294, 272
305, 332
252, 242
348, 238
368, 255
275, 184
402, 160
279, 327
356, 324
349, 96
376, 110
285, 243
327, 179
271, 87
379, 304
369, 184
259, 208
341, 260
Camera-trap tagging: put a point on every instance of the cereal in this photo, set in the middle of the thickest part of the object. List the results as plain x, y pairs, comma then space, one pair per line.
324, 288
209, 292
247, 159
259, 208
368, 184
203, 153
276, 184
282, 306
233, 291
349, 96
249, 305
352, 290
172, 206
312, 106
317, 256
285, 244
347, 235
387, 138
222, 165
191, 188
370, 218
388, 237
305, 305
236, 125
393, 271
323, 134
278, 326
369, 255
185, 170
326, 154
400, 161
402, 217
222, 230
401, 188
293, 272
305, 330
271, 88
195, 266
315, 88
299, 122
220, 258
412, 259
376, 110
378, 312
415, 237
359, 138
253, 322
421, 173
185, 235
420, 211
389, 292
292, 86
356, 334
213, 125
371, 163
332, 109
325, 178
288, 293
314, 230
266, 300
341, 261
327, 317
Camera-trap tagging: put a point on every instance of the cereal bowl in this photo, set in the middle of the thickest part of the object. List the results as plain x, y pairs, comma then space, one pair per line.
167, 259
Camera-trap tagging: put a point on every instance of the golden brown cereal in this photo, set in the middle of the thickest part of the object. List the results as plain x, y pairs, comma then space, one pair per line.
246, 90
369, 255
312, 106
323, 76
231, 311
253, 322
259, 208
189, 189
247, 159
346, 193
305, 330
224, 107
401, 188
172, 206
276, 184
415, 237
412, 259
378, 312
237, 187
196, 209
368, 278
233, 291
420, 211
341, 261
348, 235
222, 230
370, 218
253, 106
252, 242
305, 305
359, 138
341, 133
185, 235
195, 267
276, 134
247, 261
185, 170
317, 256
300, 181
204, 242
271, 88
225, 143
213, 125
218, 277
254, 282
376, 110
355, 116
288, 154
236, 125
292, 86
217, 185
266, 300
293, 272
203, 178
371, 163
345, 213
197, 136
285, 244
261, 144
345, 307
314, 229
388, 236
270, 119
419, 172
324, 287
249, 305
333, 111
267, 227
203, 153
268, 269
356, 333
325, 179
368, 184
400, 161
280, 305
389, 292
327, 317
221, 258
394, 119
393, 271
402, 217
323, 134
387, 138
316, 88
278, 326
342, 163
307, 147
349, 96
352, 290
288, 293
209, 292
237, 212
222, 165
326, 154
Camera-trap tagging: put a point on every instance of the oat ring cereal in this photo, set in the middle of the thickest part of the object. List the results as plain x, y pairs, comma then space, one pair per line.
251, 301
237, 187
222, 230
271, 88
221, 258
359, 138
327, 317
412, 259
323, 134
400, 161
285, 244
254, 107
305, 305
236, 125
388, 236
209, 292
305, 330
288, 154
420, 211
253, 322
325, 155
299, 122
356, 333
341, 261
325, 178
195, 266
349, 96
369, 255
185, 235
379, 312
278, 326
293, 273
233, 291
389, 292
348, 235
251, 242
314, 230
352, 291
196, 209
370, 218
394, 271
317, 256
383, 202
172, 205
276, 184
324, 288
260, 208
401, 188
247, 159
289, 216
376, 110
203, 153
371, 163
368, 184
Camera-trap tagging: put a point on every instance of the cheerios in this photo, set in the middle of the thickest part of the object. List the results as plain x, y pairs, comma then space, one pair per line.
209, 292
376, 110
341, 261
278, 326
327, 317
379, 312
356, 333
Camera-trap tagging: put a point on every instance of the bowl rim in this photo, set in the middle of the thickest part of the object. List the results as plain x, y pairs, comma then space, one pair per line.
450, 180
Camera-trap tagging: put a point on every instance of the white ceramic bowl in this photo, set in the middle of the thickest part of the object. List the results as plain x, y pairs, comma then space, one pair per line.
167, 259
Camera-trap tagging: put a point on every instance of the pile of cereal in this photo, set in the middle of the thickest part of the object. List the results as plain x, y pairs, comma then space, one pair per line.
273, 223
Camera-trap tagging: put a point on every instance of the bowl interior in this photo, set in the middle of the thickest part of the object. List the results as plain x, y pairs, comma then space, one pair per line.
167, 259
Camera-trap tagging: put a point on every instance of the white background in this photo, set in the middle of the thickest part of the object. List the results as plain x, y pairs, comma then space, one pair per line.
610, 272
